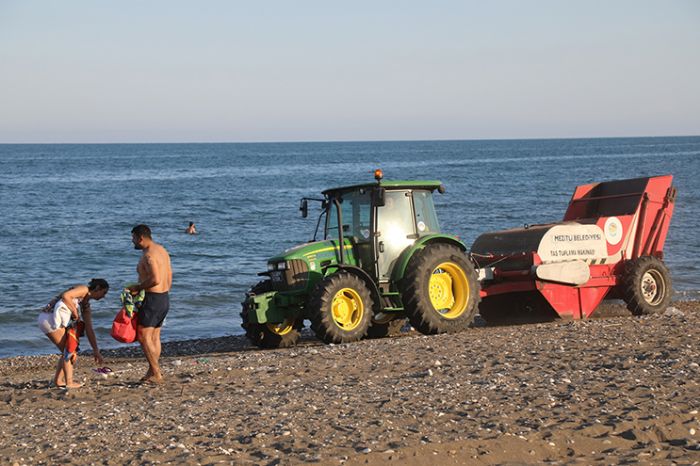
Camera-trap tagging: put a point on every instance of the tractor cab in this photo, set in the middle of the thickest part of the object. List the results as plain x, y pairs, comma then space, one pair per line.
380, 220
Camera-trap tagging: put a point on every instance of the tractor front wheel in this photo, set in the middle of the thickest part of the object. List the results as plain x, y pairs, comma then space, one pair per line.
341, 309
440, 290
268, 335
647, 286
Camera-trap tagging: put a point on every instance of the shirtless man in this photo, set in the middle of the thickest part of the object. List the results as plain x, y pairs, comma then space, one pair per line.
155, 277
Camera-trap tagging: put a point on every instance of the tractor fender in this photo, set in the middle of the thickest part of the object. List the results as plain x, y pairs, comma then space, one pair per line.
364, 276
402, 262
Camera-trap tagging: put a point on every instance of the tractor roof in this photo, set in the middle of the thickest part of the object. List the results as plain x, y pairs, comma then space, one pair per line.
430, 185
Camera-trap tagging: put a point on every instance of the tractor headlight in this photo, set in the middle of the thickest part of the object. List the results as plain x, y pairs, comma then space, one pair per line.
276, 266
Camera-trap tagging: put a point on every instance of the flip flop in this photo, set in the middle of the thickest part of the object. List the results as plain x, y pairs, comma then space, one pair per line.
104, 370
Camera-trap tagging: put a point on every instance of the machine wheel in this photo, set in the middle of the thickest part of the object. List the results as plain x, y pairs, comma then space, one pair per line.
440, 290
647, 286
386, 327
282, 335
341, 308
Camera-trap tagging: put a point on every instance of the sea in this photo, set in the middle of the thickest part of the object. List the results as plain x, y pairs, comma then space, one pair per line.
68, 209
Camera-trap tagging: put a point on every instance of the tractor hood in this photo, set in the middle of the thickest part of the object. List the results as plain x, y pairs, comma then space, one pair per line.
317, 255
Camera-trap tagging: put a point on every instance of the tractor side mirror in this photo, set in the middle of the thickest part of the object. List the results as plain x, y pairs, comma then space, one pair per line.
304, 208
379, 197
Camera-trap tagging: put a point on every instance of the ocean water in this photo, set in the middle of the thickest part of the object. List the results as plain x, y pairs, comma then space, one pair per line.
67, 211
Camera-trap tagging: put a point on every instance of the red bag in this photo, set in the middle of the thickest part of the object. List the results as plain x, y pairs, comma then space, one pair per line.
73, 336
124, 327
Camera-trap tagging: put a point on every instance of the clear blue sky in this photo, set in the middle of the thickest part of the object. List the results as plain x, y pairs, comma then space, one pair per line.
184, 71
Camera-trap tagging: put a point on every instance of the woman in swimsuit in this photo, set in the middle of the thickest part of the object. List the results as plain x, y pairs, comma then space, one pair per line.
64, 311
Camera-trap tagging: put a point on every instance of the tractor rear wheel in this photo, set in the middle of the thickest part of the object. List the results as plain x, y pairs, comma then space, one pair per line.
341, 308
440, 290
269, 335
647, 286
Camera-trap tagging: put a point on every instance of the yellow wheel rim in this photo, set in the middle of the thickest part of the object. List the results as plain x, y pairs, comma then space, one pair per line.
449, 290
347, 308
282, 328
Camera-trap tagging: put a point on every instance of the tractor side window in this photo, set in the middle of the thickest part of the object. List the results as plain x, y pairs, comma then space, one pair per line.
356, 210
426, 218
332, 218
361, 220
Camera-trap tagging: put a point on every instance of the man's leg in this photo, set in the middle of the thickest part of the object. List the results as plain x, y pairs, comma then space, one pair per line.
156, 343
149, 350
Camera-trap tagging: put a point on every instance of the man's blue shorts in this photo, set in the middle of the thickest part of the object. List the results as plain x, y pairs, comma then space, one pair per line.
154, 308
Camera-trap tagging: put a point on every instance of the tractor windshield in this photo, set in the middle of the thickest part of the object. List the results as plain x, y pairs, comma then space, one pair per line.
356, 208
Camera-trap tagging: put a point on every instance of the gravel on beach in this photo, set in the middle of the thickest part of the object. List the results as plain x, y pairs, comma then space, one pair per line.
609, 390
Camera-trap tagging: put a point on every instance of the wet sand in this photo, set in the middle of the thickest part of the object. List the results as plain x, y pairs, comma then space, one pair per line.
611, 390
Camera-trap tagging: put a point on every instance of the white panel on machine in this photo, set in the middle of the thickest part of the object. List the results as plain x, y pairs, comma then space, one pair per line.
572, 241
570, 273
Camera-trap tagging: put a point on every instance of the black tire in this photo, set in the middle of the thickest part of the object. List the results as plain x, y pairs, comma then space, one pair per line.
526, 307
381, 329
440, 275
341, 308
268, 335
647, 286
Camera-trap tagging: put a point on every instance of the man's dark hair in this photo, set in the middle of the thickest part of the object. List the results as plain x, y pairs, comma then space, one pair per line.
142, 231
96, 283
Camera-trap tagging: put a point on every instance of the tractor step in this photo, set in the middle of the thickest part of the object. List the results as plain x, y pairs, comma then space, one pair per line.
392, 309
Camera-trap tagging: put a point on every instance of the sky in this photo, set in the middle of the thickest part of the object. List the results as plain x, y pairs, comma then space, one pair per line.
234, 71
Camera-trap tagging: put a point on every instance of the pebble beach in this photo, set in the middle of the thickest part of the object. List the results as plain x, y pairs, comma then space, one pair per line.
611, 390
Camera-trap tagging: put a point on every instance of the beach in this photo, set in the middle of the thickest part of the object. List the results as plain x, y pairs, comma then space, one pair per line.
611, 390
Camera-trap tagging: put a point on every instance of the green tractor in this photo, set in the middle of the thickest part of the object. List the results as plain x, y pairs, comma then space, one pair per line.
382, 260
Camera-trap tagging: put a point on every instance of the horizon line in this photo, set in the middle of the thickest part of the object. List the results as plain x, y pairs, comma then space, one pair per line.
325, 141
